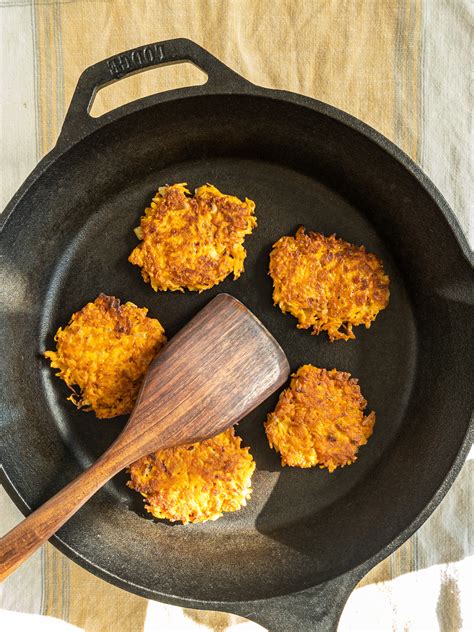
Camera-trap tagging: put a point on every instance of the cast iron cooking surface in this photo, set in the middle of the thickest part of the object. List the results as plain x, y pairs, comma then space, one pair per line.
96, 260
300, 527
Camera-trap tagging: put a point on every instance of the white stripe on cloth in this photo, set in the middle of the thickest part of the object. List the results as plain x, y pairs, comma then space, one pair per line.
23, 590
447, 147
18, 118
416, 602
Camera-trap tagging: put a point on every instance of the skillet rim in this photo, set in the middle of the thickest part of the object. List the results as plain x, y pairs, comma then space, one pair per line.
243, 88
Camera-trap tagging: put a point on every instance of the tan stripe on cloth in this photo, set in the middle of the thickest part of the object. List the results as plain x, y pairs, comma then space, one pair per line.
363, 56
407, 77
50, 73
360, 56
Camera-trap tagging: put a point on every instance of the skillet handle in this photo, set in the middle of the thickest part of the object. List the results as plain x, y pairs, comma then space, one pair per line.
316, 609
78, 122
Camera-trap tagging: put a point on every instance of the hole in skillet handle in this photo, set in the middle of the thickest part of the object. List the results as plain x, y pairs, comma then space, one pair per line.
79, 122
144, 84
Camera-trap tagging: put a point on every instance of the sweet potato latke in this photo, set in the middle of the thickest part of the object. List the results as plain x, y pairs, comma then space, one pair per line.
105, 351
327, 283
197, 482
319, 420
192, 242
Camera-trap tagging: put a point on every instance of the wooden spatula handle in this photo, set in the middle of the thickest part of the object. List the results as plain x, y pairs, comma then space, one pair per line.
217, 369
24, 539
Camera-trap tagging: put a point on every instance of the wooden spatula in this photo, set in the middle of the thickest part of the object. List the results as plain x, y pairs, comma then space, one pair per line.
219, 367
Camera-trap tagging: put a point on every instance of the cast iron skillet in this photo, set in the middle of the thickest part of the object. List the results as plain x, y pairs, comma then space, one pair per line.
290, 558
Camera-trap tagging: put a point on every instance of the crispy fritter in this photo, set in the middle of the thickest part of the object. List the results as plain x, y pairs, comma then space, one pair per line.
192, 242
319, 420
105, 350
327, 283
196, 482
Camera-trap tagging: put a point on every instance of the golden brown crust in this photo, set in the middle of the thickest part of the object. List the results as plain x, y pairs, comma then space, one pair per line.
327, 283
192, 242
319, 420
105, 350
197, 482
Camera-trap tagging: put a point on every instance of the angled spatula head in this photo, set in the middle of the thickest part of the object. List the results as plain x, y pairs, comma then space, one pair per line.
217, 369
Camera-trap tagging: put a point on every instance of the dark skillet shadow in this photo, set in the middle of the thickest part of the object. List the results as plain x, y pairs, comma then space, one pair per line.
253, 435
308, 534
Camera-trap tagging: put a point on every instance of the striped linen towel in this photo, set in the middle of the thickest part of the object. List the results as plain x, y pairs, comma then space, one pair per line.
399, 65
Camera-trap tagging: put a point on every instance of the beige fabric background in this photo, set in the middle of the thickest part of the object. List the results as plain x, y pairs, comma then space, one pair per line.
402, 66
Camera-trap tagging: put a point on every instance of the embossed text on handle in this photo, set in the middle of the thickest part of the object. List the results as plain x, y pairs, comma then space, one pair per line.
139, 58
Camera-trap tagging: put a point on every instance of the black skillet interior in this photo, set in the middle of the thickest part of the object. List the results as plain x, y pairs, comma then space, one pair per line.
69, 239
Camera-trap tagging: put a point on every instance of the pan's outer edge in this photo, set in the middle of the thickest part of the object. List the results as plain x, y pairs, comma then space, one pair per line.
265, 610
